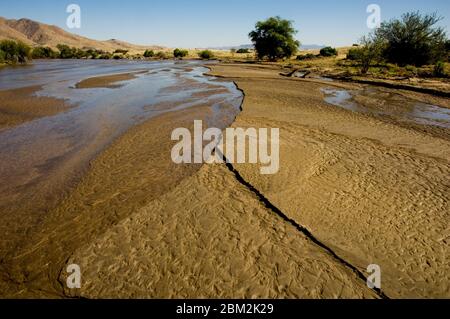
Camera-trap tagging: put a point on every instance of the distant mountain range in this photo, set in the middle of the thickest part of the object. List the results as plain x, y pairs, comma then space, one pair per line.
39, 34
250, 46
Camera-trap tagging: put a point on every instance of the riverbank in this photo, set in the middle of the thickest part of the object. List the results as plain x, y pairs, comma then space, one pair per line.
353, 190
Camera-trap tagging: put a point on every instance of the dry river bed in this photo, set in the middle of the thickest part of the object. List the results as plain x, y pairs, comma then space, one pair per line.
353, 189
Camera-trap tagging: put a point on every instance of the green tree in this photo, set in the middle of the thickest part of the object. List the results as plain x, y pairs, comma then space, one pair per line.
274, 39
15, 52
369, 52
149, 54
413, 40
206, 54
66, 52
44, 53
177, 53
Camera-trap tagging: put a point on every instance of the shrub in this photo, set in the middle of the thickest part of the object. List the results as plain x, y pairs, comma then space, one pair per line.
2, 56
44, 53
274, 39
80, 54
308, 56
439, 70
177, 53
15, 52
149, 54
354, 54
120, 51
93, 54
161, 55
105, 56
414, 39
66, 52
368, 53
412, 70
328, 51
243, 51
206, 54
117, 57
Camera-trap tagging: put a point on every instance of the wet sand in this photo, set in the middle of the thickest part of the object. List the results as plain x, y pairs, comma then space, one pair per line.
352, 190
108, 81
368, 190
18, 106
77, 195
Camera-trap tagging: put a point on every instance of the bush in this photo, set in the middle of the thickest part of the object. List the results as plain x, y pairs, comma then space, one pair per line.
414, 39
206, 54
93, 54
243, 51
368, 53
44, 53
274, 39
66, 52
2, 56
149, 54
105, 56
308, 56
120, 51
15, 52
117, 57
439, 70
354, 54
177, 53
161, 55
328, 51
80, 54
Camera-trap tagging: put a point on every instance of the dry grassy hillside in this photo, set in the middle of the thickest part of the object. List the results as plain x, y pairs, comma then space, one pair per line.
40, 34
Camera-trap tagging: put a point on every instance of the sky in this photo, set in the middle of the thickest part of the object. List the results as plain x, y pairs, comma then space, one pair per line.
213, 23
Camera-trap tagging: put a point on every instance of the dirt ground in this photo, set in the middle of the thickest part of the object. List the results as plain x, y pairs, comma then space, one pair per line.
352, 190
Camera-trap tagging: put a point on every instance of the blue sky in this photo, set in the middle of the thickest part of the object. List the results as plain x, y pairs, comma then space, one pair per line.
207, 23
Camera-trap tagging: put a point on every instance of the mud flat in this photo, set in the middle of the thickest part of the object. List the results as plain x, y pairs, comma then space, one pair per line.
71, 177
353, 190
18, 106
107, 81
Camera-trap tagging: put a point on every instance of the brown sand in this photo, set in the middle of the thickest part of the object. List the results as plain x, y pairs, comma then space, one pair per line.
374, 191
208, 238
139, 226
369, 190
133, 171
18, 106
107, 81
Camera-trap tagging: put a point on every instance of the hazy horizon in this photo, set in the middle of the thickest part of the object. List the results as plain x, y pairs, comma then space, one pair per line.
211, 24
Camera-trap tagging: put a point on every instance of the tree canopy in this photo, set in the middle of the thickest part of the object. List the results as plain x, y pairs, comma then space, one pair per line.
14, 52
413, 40
274, 39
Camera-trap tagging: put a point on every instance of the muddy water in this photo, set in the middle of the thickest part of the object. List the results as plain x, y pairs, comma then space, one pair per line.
31, 155
43, 160
381, 102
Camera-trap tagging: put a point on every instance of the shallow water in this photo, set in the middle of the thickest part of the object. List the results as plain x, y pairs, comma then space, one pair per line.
37, 155
375, 101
